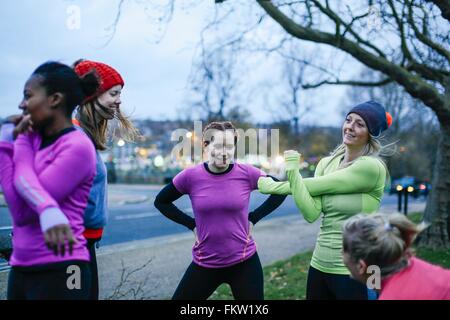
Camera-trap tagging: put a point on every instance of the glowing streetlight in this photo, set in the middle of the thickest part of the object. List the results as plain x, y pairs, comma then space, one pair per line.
143, 152
279, 160
120, 143
159, 161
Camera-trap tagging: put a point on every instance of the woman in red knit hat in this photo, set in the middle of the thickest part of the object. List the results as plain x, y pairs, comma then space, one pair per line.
93, 116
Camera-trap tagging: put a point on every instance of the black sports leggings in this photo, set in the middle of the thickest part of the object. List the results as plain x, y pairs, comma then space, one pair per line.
50, 282
91, 243
245, 279
327, 286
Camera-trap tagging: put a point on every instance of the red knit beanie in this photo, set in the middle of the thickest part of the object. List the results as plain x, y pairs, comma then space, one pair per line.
107, 75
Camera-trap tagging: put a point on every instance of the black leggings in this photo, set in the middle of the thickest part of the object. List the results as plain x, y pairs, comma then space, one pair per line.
245, 279
51, 282
91, 243
327, 286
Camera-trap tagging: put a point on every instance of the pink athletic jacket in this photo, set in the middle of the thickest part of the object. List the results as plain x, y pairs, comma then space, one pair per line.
419, 281
39, 182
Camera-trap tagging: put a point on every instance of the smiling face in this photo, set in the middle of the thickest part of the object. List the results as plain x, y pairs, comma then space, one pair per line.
354, 131
109, 102
37, 103
220, 150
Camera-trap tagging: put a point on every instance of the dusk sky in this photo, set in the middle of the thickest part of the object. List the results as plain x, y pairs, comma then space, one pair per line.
155, 73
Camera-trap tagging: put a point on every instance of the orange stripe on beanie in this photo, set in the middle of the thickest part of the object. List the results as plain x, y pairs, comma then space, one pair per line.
388, 119
107, 75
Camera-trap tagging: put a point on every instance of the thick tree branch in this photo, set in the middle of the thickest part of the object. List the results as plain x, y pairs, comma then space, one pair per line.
428, 72
348, 83
413, 84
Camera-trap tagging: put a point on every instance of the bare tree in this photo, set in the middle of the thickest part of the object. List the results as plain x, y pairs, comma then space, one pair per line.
408, 46
213, 82
292, 103
407, 42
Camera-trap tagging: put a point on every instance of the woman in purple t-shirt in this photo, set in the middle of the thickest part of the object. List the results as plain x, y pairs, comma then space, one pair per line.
224, 250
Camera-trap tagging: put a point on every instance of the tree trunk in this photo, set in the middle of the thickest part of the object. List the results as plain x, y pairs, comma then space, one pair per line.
437, 211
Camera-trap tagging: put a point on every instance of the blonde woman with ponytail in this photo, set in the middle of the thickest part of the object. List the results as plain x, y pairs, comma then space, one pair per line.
385, 241
93, 117
346, 183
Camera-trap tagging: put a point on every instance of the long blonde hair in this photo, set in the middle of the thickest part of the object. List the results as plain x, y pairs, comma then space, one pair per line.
380, 239
96, 127
373, 148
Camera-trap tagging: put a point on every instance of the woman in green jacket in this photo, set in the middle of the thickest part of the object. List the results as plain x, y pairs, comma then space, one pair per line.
348, 182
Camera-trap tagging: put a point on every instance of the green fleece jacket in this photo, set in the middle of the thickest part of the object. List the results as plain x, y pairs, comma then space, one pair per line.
336, 193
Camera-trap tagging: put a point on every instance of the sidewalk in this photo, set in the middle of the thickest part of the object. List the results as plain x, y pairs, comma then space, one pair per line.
120, 194
116, 195
278, 238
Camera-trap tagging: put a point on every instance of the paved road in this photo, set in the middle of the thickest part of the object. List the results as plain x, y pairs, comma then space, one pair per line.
133, 217
143, 220
138, 221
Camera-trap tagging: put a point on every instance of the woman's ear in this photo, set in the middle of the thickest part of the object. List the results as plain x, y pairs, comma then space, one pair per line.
55, 100
361, 267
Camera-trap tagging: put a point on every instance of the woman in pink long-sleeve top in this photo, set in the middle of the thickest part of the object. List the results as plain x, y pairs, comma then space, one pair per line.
377, 251
46, 175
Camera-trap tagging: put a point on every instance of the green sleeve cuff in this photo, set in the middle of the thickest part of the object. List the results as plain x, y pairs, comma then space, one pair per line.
293, 162
267, 185
264, 184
